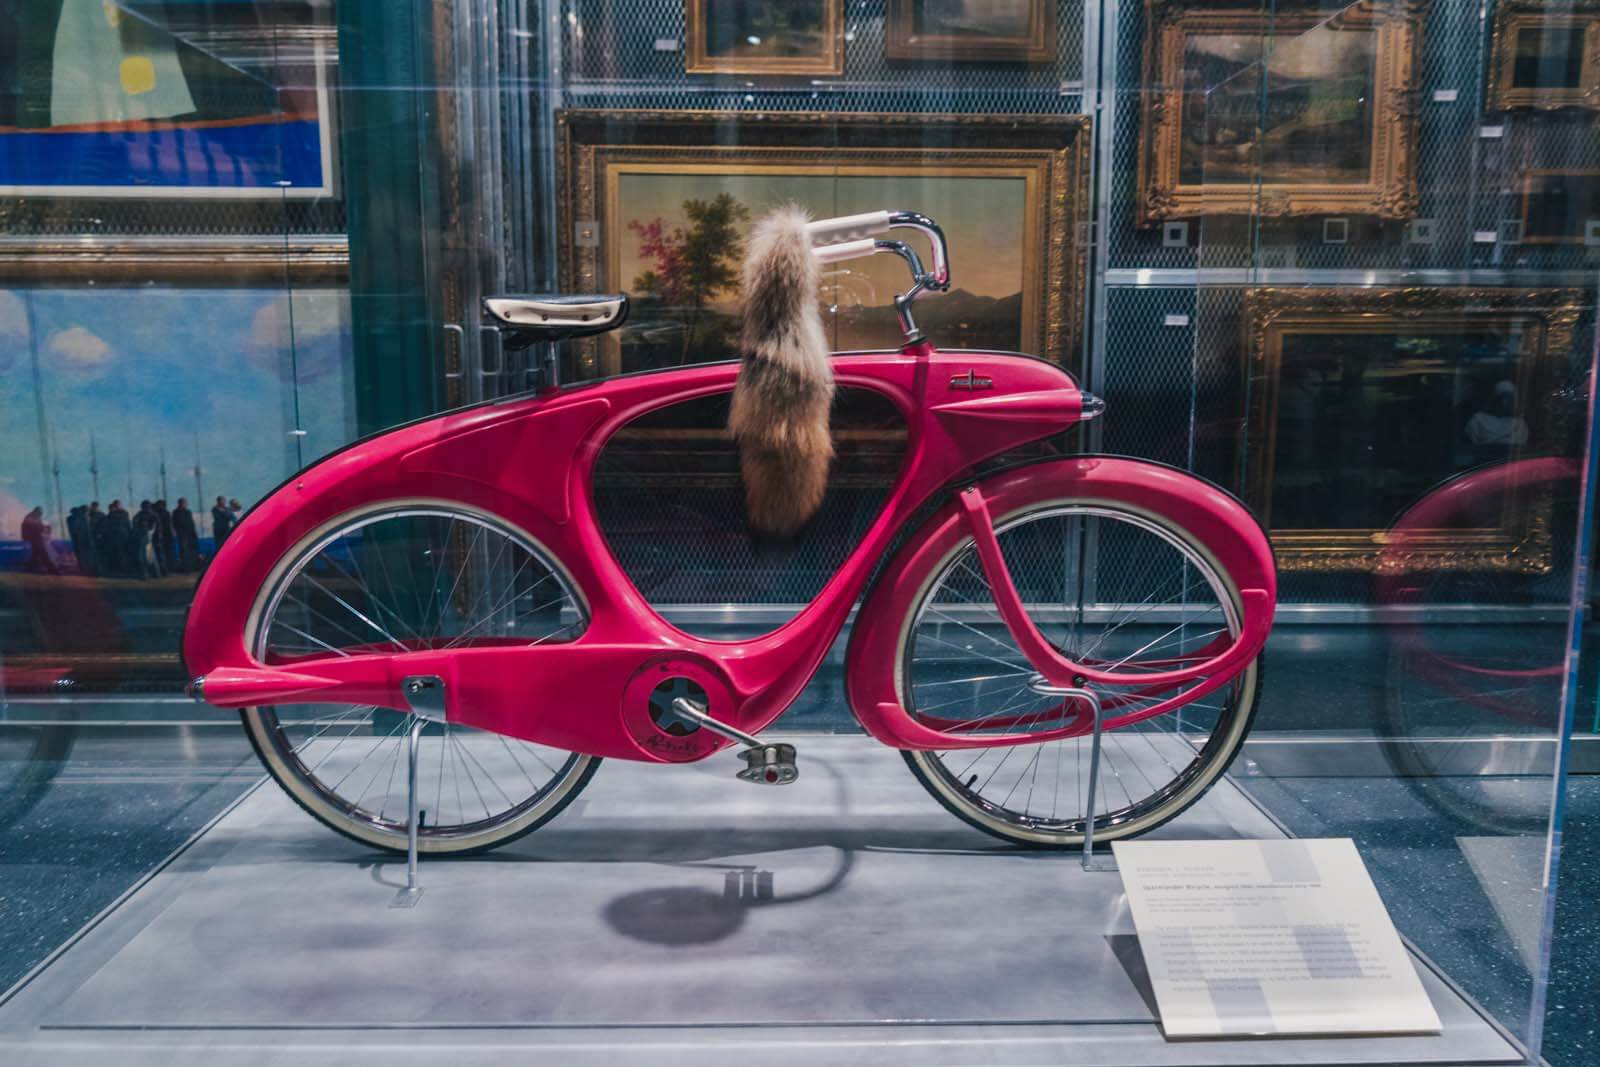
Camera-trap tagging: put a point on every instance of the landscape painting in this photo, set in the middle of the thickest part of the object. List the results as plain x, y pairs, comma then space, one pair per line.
1278, 113
957, 30
659, 204
680, 239
764, 36
1305, 115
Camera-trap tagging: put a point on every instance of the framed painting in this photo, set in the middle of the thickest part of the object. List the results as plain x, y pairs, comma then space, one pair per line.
657, 204
1544, 55
146, 372
764, 36
1019, 31
1364, 400
1561, 207
169, 101
1322, 122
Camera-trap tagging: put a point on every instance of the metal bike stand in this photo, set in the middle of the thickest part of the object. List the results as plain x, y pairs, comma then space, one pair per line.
1104, 861
1039, 684
426, 694
407, 897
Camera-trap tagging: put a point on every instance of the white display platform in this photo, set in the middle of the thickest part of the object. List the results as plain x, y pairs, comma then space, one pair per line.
671, 916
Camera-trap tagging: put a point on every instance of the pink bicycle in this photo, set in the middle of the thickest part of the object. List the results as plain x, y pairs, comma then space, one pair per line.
448, 584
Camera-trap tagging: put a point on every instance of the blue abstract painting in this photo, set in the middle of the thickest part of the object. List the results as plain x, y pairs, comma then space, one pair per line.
101, 99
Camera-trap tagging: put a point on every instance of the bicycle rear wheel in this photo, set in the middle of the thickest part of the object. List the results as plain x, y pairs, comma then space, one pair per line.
409, 575
1106, 583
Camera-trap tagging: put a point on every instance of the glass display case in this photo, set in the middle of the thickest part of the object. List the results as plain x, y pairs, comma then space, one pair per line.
1338, 261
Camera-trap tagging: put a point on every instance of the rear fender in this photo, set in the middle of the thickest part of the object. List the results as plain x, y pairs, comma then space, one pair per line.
477, 458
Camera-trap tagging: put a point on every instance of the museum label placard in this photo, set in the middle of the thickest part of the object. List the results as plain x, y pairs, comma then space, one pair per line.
1269, 937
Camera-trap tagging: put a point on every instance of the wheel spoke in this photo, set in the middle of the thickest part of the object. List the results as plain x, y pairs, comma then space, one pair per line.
481, 578
1112, 616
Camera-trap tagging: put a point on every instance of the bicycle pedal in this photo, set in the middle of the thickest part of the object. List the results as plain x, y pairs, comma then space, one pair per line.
769, 764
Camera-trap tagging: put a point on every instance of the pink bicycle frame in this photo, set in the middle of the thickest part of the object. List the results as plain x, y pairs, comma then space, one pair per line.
530, 463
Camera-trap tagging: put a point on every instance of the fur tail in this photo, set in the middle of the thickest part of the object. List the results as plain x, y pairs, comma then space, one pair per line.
780, 406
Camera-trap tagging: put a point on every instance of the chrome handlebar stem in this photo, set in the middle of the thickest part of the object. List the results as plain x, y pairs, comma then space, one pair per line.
938, 280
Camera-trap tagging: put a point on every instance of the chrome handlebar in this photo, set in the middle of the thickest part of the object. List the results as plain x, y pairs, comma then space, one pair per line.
854, 236
850, 237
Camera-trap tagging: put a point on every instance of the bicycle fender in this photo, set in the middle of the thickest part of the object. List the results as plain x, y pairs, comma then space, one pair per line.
479, 457
1216, 519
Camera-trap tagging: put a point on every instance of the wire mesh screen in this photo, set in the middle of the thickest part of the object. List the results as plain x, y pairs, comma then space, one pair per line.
1149, 381
629, 54
1541, 189
1127, 245
670, 500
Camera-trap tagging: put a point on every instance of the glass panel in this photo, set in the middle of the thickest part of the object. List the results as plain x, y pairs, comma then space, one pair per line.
176, 337
1337, 259
1414, 445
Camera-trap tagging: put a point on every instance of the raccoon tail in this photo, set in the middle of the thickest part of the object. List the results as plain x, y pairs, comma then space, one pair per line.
779, 415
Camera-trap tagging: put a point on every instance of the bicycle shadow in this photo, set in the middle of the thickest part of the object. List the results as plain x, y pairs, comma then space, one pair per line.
679, 914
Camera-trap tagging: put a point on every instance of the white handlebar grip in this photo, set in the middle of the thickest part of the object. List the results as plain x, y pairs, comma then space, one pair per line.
848, 227
848, 250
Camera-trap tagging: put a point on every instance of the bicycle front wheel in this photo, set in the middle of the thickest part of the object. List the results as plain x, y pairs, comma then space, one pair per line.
1106, 583
393, 577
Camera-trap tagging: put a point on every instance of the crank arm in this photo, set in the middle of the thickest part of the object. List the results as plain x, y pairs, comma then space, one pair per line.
768, 764
1058, 669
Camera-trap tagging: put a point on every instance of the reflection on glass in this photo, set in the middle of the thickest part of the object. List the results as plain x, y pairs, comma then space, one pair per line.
1363, 401
1368, 422
670, 500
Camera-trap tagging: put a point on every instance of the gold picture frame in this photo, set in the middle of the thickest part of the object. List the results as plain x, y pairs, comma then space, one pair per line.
1030, 171
700, 48
1509, 76
1177, 179
191, 261
907, 41
1538, 227
1541, 321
